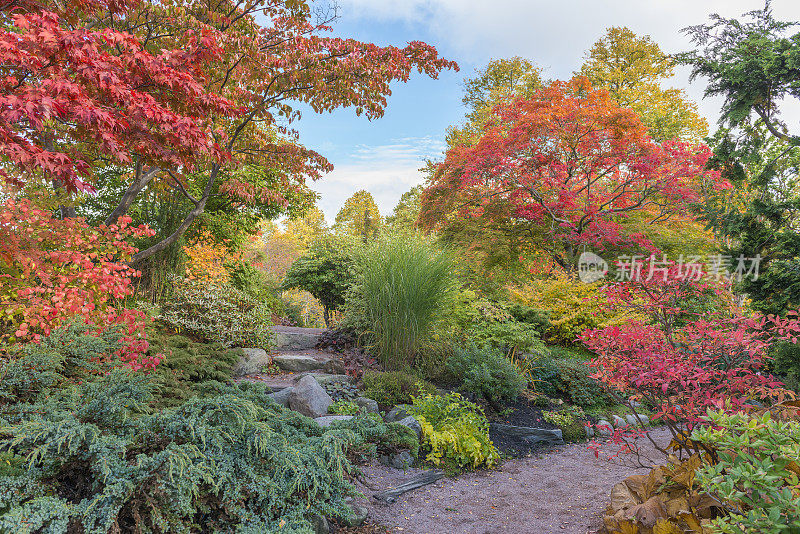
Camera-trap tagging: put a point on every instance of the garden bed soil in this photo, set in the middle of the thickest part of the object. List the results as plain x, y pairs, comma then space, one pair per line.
563, 491
522, 413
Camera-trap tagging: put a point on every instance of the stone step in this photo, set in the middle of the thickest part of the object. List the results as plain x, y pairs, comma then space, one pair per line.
298, 363
289, 338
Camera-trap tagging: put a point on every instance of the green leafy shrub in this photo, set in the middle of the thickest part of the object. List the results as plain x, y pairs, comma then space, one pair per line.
573, 380
493, 325
232, 460
327, 271
344, 407
544, 376
394, 387
217, 313
487, 372
399, 438
404, 288
539, 319
756, 474
786, 362
454, 430
259, 285
570, 420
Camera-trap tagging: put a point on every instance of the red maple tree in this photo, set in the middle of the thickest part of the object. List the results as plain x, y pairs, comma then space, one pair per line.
184, 93
573, 162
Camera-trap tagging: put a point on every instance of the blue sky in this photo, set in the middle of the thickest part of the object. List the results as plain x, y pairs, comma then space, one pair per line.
383, 156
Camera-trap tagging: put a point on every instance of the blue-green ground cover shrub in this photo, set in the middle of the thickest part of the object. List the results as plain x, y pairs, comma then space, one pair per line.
88, 453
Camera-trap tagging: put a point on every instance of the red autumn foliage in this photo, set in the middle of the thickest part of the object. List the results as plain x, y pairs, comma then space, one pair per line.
71, 93
53, 271
686, 361
573, 162
186, 94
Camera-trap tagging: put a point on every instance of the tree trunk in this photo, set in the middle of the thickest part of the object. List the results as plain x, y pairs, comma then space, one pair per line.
140, 180
199, 207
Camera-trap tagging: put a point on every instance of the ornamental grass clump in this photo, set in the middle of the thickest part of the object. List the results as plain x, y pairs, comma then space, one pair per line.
406, 285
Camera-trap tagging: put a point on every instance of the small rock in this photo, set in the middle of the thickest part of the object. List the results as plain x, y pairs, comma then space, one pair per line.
281, 396
635, 404
385, 459
360, 513
604, 428
369, 405
589, 431
326, 420
402, 460
334, 367
296, 363
413, 424
618, 421
397, 413
309, 398
641, 420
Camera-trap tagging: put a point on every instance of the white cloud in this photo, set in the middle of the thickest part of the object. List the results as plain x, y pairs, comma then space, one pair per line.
386, 171
556, 34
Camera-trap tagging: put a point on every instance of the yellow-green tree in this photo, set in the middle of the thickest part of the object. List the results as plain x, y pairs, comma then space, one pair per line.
359, 216
632, 68
499, 80
306, 228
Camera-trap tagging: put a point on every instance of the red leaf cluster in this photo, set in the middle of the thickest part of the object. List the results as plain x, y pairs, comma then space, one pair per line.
53, 271
686, 362
71, 94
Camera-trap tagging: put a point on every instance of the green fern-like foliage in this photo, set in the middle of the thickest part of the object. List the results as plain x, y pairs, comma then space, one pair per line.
92, 455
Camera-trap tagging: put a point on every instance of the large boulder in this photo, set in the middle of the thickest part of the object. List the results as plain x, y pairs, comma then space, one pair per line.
397, 413
297, 363
531, 435
251, 362
413, 424
309, 398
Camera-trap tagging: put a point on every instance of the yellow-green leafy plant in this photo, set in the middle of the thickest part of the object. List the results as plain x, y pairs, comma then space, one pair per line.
454, 431
573, 306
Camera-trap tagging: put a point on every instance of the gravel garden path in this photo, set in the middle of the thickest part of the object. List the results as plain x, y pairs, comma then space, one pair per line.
561, 491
